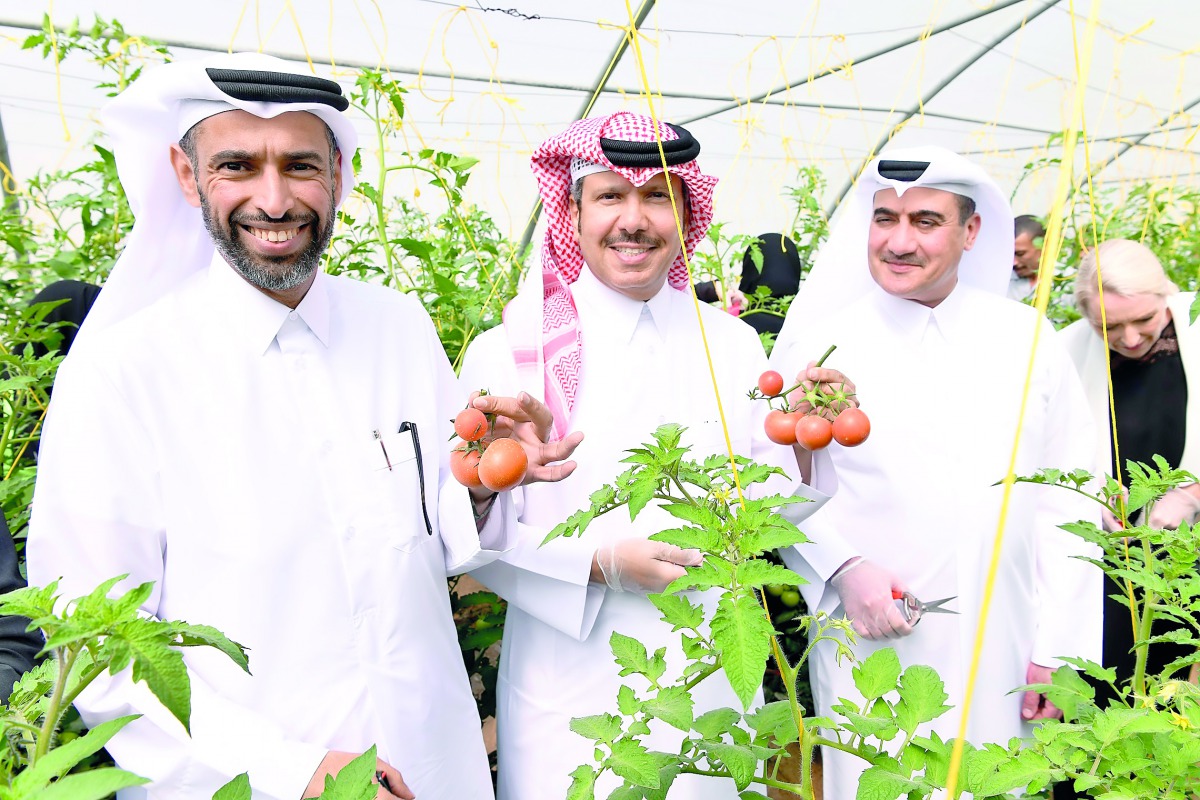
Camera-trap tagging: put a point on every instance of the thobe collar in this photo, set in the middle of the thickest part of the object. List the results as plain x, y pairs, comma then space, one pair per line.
253, 318
621, 313
910, 318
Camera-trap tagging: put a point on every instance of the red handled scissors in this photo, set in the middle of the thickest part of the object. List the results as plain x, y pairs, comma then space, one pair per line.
913, 608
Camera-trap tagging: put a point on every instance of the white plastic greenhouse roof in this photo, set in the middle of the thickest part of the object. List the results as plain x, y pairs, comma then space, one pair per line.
767, 86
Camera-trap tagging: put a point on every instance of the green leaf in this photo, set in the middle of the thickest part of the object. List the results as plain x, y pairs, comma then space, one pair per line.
633, 762
206, 635
741, 632
699, 538
95, 784
627, 702
677, 611
236, 789
877, 675
774, 722
701, 516
631, 657
712, 724
774, 537
878, 783
760, 573
641, 493
355, 781
583, 783
1194, 311
673, 705
1015, 773
922, 698
714, 571
599, 727
740, 761
60, 760
160, 666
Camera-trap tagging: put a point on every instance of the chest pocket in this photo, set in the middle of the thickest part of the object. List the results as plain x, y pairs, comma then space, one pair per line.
394, 512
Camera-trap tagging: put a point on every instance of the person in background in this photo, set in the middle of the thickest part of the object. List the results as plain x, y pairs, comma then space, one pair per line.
1027, 256
1153, 350
781, 266
18, 645
910, 287
74, 300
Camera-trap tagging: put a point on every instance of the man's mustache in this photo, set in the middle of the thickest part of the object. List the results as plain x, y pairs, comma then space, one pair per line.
634, 238
909, 260
286, 219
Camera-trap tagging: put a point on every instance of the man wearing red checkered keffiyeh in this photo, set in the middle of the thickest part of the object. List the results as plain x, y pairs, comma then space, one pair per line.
626, 144
618, 350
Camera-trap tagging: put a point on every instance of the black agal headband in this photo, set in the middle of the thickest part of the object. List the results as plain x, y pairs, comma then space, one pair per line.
277, 87
902, 170
633, 155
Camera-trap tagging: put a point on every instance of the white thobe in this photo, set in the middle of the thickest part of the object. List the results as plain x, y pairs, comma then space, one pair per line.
943, 388
643, 365
223, 446
1086, 349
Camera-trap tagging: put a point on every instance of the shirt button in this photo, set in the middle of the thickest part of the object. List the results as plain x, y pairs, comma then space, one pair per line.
358, 621
292, 315
350, 533
326, 447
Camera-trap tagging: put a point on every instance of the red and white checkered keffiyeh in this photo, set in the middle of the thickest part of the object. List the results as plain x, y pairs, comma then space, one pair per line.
553, 349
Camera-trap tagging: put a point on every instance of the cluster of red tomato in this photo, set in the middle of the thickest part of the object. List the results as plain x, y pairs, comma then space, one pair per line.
832, 418
499, 464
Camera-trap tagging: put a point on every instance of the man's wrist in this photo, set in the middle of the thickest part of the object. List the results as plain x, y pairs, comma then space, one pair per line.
482, 506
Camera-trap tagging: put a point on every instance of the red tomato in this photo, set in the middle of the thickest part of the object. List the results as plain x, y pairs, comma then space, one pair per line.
851, 427
464, 465
503, 465
781, 426
471, 424
813, 432
770, 383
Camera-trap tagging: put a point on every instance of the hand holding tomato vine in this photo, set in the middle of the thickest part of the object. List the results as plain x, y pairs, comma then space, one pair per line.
821, 407
505, 445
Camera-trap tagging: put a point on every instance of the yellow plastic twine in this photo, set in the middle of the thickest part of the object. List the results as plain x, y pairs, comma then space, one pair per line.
1050, 250
712, 372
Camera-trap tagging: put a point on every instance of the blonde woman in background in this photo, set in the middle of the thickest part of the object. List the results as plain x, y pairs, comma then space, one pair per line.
1154, 350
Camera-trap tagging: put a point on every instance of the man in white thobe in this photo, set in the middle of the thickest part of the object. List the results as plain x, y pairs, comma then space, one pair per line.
266, 443
939, 358
613, 290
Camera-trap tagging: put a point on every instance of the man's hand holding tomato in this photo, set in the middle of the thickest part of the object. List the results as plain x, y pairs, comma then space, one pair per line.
829, 382
527, 421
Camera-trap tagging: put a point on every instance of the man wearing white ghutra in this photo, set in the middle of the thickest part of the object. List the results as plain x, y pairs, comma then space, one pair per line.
268, 445
939, 356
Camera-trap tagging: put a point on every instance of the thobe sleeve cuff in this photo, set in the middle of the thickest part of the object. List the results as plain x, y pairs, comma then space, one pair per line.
467, 546
551, 584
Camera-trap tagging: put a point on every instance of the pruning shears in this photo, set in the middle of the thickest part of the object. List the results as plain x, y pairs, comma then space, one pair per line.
913, 608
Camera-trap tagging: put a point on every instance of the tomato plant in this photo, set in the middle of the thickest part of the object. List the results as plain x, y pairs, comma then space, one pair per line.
503, 465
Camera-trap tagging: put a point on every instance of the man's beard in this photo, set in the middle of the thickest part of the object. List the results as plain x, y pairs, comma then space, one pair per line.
273, 273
